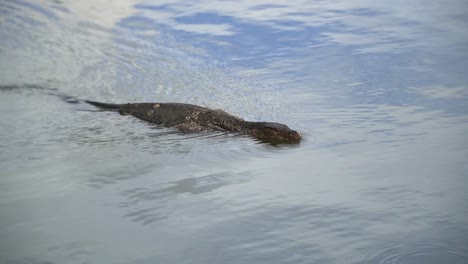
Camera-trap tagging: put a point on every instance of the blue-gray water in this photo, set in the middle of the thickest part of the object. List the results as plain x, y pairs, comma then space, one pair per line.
379, 89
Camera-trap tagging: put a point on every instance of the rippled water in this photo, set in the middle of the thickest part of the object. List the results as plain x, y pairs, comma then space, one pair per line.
378, 89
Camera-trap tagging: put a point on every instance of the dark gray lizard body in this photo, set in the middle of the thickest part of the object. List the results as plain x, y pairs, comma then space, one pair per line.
193, 118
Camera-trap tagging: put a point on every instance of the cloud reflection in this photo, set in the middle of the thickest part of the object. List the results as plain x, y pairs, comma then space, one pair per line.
377, 25
439, 92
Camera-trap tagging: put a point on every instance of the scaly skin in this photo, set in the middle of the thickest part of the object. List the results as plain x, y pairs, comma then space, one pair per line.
192, 118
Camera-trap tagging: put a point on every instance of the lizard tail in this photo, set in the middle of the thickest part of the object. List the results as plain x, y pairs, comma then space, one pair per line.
104, 105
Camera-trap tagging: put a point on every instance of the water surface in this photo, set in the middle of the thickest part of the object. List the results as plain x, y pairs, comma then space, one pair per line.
379, 91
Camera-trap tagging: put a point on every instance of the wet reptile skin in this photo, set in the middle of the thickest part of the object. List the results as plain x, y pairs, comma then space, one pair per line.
193, 118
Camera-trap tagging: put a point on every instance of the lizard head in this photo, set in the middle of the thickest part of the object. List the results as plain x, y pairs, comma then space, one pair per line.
274, 133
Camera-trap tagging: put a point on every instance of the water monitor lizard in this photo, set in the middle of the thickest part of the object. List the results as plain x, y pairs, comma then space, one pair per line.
193, 118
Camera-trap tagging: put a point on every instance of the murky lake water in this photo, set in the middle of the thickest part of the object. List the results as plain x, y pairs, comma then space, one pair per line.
378, 89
